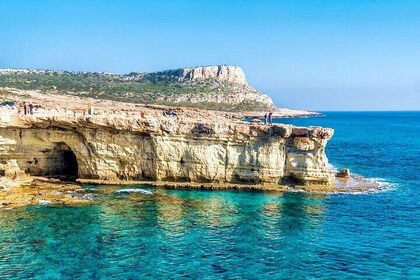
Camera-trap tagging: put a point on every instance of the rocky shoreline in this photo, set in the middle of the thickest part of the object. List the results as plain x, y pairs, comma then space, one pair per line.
44, 191
35, 191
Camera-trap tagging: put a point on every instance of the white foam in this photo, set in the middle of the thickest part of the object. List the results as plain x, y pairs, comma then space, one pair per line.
382, 185
378, 184
332, 167
135, 191
44, 202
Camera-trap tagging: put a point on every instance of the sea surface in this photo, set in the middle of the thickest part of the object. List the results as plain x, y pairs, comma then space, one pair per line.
173, 234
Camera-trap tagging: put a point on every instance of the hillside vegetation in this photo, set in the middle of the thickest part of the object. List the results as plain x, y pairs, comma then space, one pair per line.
170, 87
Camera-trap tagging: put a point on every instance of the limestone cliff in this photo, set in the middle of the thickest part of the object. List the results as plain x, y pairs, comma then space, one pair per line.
164, 149
230, 74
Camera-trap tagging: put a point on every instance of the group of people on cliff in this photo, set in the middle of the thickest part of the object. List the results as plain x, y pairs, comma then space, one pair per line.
268, 116
28, 109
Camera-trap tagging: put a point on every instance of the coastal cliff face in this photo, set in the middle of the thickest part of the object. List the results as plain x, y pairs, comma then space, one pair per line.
168, 149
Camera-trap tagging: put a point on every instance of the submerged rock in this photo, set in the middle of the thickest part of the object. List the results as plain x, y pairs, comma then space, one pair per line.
41, 193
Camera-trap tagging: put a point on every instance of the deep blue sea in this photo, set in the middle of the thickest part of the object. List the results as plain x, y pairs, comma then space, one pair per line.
175, 234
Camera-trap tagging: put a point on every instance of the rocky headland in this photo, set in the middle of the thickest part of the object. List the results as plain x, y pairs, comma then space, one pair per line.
122, 142
141, 145
94, 141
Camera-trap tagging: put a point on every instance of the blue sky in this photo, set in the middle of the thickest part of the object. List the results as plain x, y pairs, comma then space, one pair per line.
319, 55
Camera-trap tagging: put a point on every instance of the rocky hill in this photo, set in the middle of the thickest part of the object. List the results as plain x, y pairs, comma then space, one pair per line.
210, 87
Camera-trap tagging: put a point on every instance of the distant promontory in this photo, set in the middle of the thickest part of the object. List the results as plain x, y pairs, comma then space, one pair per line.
210, 87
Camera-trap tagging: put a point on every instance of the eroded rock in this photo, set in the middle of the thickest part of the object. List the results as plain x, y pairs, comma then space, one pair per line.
165, 149
304, 143
345, 173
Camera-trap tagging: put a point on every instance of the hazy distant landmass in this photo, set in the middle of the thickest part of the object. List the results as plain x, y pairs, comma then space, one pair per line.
209, 87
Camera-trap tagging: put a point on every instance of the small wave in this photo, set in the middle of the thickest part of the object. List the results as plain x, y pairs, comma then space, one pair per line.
44, 202
85, 196
332, 167
297, 191
135, 191
384, 185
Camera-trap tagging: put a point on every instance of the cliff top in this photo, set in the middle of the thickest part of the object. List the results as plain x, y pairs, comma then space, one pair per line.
73, 110
75, 114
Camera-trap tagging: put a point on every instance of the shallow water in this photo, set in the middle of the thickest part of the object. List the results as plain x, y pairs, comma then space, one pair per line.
240, 234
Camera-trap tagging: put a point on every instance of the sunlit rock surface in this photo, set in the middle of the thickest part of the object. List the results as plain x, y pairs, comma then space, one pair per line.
231, 74
172, 149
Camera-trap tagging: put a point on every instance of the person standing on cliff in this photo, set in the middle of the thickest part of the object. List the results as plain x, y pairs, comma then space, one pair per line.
270, 118
31, 109
90, 109
25, 109
265, 119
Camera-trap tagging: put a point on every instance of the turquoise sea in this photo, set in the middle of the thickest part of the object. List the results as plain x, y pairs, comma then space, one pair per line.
175, 234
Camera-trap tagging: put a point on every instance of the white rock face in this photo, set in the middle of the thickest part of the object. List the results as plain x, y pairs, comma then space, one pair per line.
239, 91
230, 74
168, 150
238, 95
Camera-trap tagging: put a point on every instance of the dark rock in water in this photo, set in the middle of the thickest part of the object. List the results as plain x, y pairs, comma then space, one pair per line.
345, 173
218, 268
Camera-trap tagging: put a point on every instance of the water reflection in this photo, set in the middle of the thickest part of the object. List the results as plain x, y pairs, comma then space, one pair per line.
171, 212
300, 208
123, 233
175, 211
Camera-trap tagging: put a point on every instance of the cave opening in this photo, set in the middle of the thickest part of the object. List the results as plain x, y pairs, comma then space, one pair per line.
70, 167
54, 160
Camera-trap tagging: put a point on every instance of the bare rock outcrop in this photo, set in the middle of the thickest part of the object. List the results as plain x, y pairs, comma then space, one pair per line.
345, 173
230, 74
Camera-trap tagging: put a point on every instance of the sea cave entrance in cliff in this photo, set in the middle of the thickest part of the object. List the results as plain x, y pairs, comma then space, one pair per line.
71, 167
63, 162
49, 159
